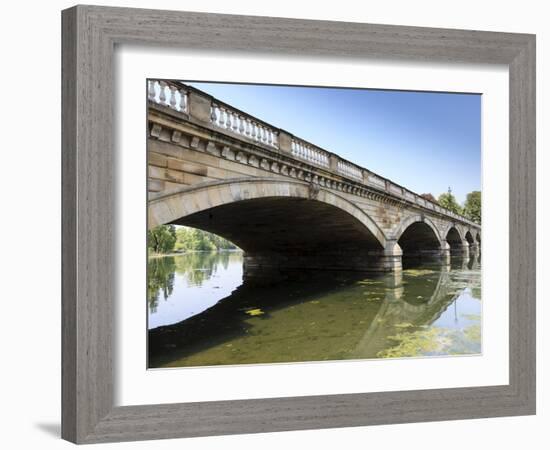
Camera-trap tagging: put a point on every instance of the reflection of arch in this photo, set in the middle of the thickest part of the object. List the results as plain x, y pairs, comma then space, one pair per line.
182, 203
413, 219
394, 310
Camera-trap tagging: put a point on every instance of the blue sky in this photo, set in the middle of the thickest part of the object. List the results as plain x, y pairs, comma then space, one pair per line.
425, 141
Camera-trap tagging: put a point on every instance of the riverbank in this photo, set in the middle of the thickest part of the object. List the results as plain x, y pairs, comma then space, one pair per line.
152, 255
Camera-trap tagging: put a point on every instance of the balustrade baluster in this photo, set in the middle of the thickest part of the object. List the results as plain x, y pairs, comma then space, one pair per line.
241, 125
253, 130
162, 93
213, 116
183, 102
227, 120
172, 96
152, 92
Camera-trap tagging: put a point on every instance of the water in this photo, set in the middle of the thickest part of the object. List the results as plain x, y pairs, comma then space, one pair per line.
202, 313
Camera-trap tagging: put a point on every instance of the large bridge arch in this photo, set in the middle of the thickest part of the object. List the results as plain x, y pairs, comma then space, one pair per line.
278, 223
184, 202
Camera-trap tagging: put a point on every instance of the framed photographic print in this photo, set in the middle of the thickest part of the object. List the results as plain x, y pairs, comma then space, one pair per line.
265, 229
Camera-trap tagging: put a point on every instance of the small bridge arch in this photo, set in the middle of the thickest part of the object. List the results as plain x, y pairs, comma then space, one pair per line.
417, 235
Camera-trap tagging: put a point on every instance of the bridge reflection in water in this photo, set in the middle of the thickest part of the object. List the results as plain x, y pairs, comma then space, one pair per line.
202, 313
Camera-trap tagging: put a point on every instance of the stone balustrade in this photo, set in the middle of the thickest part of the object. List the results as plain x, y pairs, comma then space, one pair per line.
167, 93
179, 97
350, 170
236, 122
308, 152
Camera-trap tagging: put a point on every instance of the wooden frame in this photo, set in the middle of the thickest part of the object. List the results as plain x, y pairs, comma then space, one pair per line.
89, 37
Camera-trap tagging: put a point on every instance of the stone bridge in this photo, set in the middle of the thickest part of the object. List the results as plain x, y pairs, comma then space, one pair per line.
286, 202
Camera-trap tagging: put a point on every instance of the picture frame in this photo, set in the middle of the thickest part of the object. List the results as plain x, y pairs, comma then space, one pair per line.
90, 34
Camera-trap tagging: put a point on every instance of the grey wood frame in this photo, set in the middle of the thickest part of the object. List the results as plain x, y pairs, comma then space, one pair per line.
90, 34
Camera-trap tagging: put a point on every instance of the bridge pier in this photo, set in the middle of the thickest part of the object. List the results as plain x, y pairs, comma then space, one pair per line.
296, 264
391, 257
461, 248
474, 249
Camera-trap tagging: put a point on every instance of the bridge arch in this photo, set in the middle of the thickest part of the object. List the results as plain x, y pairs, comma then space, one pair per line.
185, 202
417, 235
468, 236
410, 220
453, 238
277, 222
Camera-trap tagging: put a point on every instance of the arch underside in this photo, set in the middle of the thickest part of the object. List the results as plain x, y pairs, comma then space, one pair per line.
455, 241
291, 233
419, 240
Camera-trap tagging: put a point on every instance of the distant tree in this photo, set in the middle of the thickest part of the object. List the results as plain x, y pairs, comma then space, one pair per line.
429, 197
448, 201
197, 240
472, 206
162, 238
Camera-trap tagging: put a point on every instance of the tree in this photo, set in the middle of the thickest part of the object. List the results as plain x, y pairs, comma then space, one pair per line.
192, 239
448, 201
472, 206
429, 197
162, 238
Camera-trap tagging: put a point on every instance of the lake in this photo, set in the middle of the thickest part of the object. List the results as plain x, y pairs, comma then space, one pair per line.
201, 312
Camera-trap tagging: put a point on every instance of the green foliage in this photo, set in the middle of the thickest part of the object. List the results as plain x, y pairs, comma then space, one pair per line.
429, 197
192, 239
162, 238
160, 279
472, 206
448, 201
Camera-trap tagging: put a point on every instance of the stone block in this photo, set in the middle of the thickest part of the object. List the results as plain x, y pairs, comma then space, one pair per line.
199, 107
285, 142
